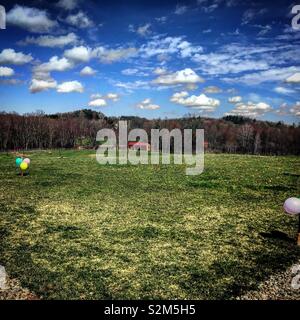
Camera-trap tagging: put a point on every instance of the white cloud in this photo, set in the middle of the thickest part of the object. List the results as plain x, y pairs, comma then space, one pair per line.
54, 64
251, 14
275, 74
30, 19
223, 63
134, 72
186, 76
147, 105
212, 89
42, 85
6, 72
113, 96
98, 103
295, 78
52, 41
78, 54
179, 10
79, 20
159, 46
250, 109
141, 30
95, 96
201, 102
211, 8
235, 99
263, 29
98, 100
283, 90
105, 55
112, 55
131, 86
70, 86
130, 71
293, 110
67, 4
162, 19
159, 71
87, 71
10, 56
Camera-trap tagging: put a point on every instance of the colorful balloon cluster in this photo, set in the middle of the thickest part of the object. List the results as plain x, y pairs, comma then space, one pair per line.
292, 206
23, 164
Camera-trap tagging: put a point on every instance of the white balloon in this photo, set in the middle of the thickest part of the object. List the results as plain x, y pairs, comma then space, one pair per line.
292, 206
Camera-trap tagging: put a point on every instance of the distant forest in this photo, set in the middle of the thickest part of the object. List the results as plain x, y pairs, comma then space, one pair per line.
231, 134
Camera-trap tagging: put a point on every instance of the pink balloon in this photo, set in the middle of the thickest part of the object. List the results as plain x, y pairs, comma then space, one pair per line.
292, 206
27, 160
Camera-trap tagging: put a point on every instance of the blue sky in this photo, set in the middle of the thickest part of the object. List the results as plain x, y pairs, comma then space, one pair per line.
151, 58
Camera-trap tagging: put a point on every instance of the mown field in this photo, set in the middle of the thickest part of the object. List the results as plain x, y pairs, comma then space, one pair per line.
74, 229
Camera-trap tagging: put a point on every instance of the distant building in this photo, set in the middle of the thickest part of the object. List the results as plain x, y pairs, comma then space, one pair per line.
139, 145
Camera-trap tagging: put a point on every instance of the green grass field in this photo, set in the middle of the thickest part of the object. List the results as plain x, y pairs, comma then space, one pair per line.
74, 229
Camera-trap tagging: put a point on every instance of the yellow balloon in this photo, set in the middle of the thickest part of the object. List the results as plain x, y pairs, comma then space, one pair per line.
23, 166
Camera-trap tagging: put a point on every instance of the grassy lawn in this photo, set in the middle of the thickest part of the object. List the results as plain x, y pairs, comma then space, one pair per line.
75, 229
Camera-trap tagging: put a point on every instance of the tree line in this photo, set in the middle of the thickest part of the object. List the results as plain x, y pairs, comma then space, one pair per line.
231, 134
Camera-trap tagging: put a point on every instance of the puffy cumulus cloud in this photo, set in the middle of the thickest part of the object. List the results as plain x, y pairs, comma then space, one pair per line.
285, 109
79, 20
235, 99
283, 90
162, 47
10, 56
106, 55
147, 105
201, 102
51, 41
212, 89
79, 54
87, 71
38, 85
294, 78
185, 77
54, 64
99, 102
67, 4
6, 72
250, 109
70, 86
30, 19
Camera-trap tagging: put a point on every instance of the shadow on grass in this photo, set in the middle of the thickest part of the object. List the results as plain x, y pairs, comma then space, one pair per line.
277, 235
228, 278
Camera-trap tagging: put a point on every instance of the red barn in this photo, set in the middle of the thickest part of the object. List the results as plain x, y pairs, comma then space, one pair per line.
138, 145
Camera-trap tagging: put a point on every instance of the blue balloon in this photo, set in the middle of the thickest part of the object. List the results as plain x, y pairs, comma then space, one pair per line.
18, 161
